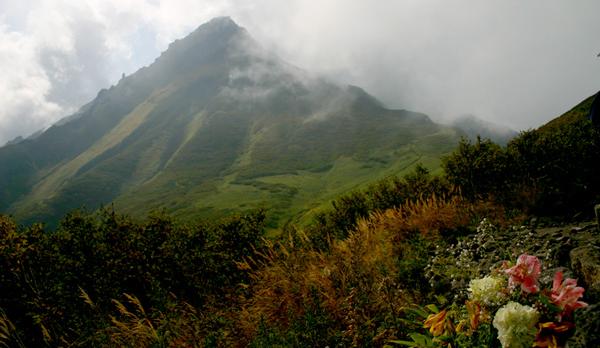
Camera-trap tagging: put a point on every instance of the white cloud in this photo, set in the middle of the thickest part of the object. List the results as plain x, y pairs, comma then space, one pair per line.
23, 88
513, 62
57, 54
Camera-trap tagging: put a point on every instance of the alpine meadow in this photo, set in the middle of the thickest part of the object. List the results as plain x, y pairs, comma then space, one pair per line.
223, 197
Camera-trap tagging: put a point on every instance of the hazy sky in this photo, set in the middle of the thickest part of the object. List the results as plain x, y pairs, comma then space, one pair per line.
514, 62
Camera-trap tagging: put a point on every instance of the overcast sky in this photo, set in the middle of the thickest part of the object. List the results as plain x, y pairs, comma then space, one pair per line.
513, 62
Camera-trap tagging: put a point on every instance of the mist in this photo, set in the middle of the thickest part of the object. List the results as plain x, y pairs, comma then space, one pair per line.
510, 62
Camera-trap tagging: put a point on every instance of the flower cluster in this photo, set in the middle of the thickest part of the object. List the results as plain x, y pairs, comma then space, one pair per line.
512, 300
462, 261
566, 294
473, 256
487, 290
525, 273
516, 325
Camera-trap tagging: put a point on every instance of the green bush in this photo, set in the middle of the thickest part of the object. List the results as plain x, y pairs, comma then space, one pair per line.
552, 171
42, 272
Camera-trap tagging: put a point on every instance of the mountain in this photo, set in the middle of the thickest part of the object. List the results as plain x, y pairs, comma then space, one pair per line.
579, 112
216, 124
474, 127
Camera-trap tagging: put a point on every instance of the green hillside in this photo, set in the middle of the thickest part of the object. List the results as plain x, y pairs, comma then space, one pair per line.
578, 113
216, 124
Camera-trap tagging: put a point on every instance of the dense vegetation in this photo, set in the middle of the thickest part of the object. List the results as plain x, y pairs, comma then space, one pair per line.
552, 171
352, 278
100, 257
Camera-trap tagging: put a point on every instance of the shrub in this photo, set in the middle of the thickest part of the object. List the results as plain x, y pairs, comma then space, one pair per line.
552, 171
385, 194
42, 272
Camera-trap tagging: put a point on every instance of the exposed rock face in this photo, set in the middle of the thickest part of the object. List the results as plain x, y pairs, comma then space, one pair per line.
585, 262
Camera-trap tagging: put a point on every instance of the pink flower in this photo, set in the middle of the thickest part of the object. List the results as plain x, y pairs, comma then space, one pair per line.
565, 294
525, 273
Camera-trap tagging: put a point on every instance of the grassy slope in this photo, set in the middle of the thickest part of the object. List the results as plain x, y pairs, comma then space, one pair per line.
580, 111
293, 196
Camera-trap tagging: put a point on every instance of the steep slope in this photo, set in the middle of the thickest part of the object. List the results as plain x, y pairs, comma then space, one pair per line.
578, 113
215, 125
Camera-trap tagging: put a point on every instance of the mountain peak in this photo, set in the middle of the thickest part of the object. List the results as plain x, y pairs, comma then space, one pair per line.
218, 26
210, 43
222, 21
214, 111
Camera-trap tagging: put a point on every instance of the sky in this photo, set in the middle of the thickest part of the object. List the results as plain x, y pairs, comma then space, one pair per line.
516, 63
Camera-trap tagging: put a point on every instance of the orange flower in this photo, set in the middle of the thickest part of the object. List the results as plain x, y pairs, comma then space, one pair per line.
436, 323
553, 335
474, 310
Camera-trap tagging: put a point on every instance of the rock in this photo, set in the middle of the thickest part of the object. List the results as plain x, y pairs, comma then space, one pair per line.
585, 262
587, 322
547, 276
597, 211
533, 223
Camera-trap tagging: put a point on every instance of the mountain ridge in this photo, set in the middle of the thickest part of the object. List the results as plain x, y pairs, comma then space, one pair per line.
215, 124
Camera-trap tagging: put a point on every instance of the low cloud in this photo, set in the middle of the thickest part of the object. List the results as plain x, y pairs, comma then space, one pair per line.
511, 62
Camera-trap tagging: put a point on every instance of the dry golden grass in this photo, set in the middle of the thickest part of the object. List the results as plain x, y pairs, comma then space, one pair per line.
179, 325
356, 281
8, 335
429, 217
132, 327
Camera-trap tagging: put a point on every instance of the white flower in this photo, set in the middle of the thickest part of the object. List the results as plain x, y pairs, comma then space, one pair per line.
487, 290
516, 325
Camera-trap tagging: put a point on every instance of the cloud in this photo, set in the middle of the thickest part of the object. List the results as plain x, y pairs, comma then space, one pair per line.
57, 54
23, 87
512, 62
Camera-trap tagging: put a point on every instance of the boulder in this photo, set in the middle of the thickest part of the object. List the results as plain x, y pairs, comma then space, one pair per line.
585, 263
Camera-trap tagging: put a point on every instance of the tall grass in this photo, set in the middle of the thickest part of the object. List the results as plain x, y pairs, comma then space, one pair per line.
361, 283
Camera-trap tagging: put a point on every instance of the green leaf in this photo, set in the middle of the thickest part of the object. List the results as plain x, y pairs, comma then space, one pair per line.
433, 308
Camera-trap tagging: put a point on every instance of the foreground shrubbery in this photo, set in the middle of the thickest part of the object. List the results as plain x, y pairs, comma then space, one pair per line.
393, 192
43, 274
512, 301
354, 293
103, 279
362, 274
553, 171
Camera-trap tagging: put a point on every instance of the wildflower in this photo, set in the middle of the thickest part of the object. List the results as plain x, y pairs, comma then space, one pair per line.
525, 273
438, 323
474, 310
516, 325
487, 290
552, 335
565, 294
